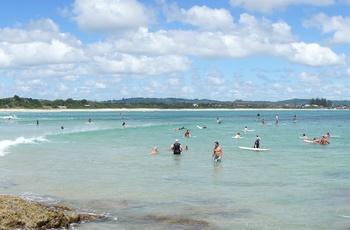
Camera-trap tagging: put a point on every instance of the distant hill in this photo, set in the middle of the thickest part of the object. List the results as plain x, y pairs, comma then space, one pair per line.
294, 101
165, 103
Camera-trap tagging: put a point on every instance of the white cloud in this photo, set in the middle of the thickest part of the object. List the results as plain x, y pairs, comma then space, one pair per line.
202, 17
110, 15
309, 78
336, 24
310, 54
38, 43
141, 65
268, 6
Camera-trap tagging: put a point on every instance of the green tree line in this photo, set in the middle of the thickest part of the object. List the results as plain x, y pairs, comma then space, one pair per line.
167, 103
320, 102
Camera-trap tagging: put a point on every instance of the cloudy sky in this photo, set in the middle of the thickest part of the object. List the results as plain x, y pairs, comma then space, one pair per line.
204, 49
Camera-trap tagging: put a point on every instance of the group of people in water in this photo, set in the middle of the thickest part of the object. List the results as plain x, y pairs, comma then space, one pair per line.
217, 154
322, 141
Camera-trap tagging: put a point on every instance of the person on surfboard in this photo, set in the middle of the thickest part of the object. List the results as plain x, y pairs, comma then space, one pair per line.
257, 142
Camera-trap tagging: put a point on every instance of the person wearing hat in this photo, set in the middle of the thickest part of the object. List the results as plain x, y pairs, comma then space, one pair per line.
176, 147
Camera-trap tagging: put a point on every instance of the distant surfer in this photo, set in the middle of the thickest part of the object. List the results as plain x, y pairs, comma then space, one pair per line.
295, 118
218, 120
176, 147
258, 116
89, 121
328, 135
37, 122
257, 142
217, 152
123, 124
183, 127
238, 135
187, 133
263, 121
246, 129
304, 136
62, 127
276, 119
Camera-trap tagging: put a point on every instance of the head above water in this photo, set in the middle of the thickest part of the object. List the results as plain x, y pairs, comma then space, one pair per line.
176, 140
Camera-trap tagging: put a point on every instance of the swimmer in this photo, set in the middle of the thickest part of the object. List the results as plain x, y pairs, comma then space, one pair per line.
154, 151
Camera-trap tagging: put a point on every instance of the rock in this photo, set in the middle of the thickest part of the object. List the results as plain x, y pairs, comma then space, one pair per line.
16, 212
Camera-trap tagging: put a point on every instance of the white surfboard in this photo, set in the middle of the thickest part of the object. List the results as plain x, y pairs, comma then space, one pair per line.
253, 149
248, 130
237, 137
310, 142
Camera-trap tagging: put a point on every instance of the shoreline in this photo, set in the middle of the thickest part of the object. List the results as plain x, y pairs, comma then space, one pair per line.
151, 110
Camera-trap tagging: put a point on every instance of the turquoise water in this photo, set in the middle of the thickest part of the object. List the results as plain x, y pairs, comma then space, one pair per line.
105, 168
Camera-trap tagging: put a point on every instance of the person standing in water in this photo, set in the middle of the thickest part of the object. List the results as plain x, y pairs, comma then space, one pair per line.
276, 119
217, 152
176, 147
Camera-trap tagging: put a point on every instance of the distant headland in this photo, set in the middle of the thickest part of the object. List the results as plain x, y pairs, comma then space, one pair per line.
17, 102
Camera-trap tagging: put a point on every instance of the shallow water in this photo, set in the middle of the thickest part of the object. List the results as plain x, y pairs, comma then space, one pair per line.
107, 169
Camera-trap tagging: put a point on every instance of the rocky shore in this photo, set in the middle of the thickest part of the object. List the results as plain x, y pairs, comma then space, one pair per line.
18, 213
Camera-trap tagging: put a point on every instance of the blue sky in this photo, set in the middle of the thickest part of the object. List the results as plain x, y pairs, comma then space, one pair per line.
222, 50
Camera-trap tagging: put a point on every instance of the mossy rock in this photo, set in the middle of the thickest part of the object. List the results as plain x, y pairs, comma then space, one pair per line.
16, 212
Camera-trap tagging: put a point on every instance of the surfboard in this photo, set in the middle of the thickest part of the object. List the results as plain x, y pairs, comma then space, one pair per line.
237, 137
248, 130
310, 142
253, 149
200, 127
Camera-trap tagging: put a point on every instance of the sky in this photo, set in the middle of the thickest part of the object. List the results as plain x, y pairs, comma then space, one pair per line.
227, 50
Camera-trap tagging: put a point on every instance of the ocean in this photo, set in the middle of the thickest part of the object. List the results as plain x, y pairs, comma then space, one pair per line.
105, 168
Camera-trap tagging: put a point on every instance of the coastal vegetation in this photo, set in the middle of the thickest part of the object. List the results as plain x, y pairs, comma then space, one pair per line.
17, 102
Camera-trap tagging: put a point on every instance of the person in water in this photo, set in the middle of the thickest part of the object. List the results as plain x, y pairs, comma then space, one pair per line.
304, 136
154, 151
217, 152
276, 119
324, 141
187, 133
257, 142
316, 140
176, 147
263, 121
238, 135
